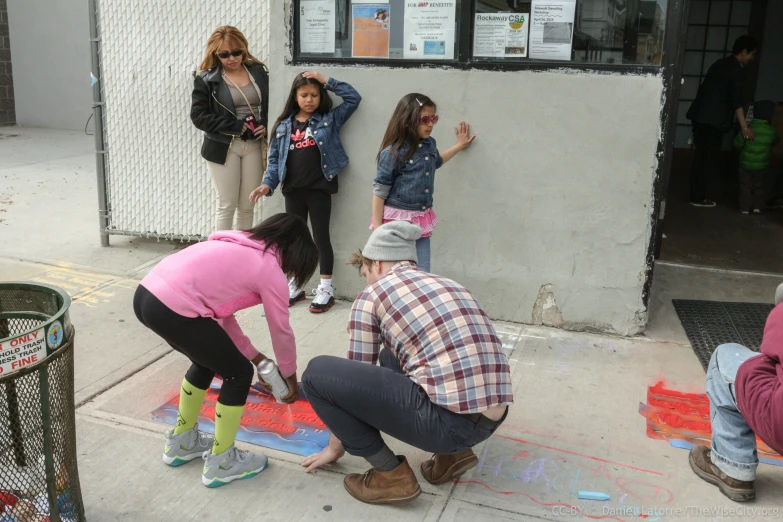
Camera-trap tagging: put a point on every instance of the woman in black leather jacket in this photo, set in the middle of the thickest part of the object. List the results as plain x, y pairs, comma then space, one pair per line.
230, 104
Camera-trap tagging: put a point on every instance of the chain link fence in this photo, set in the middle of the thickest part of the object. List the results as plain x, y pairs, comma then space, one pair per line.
39, 477
157, 183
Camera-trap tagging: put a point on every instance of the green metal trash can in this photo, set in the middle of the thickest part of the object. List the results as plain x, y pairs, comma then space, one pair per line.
39, 478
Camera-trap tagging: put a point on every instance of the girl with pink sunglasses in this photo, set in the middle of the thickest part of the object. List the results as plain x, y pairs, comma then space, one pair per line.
404, 187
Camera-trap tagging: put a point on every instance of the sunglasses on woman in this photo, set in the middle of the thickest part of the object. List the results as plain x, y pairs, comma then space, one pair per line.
426, 119
226, 54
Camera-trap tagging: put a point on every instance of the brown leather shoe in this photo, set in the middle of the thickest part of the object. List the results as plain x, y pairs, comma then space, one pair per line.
736, 490
444, 468
397, 487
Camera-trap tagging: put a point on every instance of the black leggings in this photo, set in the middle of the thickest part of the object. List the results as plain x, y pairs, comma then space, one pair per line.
204, 342
319, 206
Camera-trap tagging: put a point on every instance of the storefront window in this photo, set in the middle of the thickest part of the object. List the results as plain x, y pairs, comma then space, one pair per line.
605, 32
583, 31
394, 30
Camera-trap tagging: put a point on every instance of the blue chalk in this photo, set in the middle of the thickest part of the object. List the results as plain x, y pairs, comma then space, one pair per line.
592, 495
679, 443
93, 79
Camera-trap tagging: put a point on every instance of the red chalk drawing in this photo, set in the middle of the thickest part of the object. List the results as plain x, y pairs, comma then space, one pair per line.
598, 459
600, 470
569, 507
673, 415
294, 428
552, 477
644, 491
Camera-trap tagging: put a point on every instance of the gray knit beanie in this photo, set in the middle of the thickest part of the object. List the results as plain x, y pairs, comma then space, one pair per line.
779, 294
394, 241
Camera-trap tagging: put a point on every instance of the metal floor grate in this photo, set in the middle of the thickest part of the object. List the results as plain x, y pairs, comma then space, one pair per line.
708, 324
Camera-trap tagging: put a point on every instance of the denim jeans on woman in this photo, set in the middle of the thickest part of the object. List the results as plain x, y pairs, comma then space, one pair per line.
733, 442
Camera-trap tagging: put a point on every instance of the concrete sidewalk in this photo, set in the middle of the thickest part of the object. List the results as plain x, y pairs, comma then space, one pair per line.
574, 426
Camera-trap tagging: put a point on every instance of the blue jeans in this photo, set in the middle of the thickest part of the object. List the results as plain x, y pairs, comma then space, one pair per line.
423, 253
733, 442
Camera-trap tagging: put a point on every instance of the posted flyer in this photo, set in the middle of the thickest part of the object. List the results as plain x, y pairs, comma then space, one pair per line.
501, 35
316, 26
429, 30
552, 29
370, 22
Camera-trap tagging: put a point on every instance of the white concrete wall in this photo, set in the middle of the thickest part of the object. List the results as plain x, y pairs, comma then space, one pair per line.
556, 190
770, 79
51, 62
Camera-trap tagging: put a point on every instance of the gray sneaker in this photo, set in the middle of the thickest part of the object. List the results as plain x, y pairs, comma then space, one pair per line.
181, 449
232, 464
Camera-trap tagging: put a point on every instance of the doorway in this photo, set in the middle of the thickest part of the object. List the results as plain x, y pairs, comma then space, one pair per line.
722, 237
716, 254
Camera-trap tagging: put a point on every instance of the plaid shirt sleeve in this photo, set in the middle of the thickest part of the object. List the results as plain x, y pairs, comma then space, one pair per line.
363, 330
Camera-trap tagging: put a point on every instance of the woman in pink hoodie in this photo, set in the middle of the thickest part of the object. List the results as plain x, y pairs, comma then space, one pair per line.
189, 299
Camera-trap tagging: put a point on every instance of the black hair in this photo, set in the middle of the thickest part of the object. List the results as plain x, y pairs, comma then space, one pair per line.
744, 43
292, 106
296, 249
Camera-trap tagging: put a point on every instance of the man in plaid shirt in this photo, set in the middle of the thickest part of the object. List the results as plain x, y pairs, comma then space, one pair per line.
443, 384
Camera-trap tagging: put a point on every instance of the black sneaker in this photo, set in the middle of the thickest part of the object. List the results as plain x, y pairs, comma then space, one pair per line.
705, 203
323, 301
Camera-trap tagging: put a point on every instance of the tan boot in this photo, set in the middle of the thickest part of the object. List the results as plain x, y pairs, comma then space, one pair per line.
736, 490
443, 468
398, 486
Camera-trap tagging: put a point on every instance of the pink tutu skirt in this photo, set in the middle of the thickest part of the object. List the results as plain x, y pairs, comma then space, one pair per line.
424, 219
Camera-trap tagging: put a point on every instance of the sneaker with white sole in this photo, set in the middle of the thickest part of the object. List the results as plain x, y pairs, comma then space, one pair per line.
323, 300
233, 464
188, 445
294, 294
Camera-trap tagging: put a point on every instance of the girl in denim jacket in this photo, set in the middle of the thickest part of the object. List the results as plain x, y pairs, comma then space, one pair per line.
404, 186
305, 156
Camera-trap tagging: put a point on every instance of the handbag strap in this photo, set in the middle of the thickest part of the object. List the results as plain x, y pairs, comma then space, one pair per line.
240, 92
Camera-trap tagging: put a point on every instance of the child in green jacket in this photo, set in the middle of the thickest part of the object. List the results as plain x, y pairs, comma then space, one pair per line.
755, 157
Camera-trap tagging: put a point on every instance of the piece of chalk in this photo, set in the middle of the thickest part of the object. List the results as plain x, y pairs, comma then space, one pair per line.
592, 495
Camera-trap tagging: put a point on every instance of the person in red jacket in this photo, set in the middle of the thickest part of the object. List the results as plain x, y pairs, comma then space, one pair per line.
745, 389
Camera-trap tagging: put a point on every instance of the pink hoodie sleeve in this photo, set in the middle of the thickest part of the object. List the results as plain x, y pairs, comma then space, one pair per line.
274, 294
231, 326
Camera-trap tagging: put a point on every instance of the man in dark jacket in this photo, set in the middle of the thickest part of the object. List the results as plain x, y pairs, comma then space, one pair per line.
745, 389
719, 99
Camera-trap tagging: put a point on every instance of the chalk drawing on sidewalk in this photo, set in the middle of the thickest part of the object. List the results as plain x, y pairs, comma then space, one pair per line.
523, 471
683, 419
293, 428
